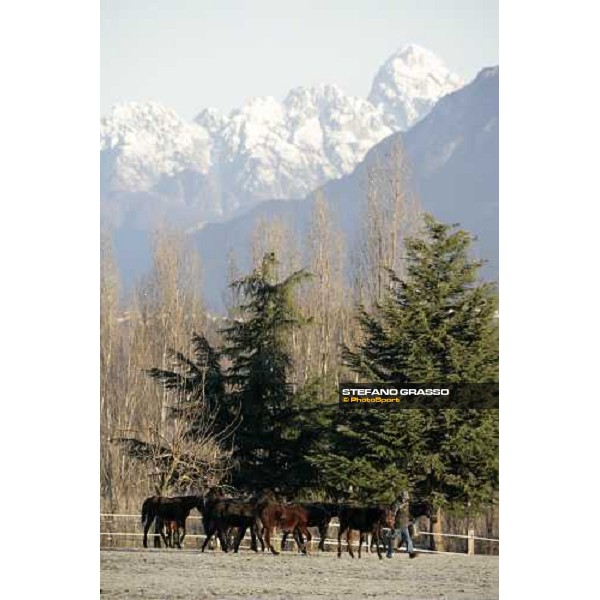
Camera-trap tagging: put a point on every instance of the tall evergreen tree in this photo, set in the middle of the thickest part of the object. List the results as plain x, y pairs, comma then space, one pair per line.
257, 344
437, 325
197, 384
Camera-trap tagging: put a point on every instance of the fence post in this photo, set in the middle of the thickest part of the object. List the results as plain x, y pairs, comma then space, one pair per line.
437, 541
471, 542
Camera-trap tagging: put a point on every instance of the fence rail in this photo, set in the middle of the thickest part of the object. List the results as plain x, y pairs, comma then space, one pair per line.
470, 536
461, 536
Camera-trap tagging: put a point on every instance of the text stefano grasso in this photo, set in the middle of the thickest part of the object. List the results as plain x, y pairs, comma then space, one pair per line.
420, 395
395, 392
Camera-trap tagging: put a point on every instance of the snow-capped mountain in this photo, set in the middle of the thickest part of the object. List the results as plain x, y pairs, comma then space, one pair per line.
270, 149
408, 85
144, 142
156, 164
453, 153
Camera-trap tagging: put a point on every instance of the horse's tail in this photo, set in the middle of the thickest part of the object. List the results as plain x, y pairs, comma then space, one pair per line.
145, 507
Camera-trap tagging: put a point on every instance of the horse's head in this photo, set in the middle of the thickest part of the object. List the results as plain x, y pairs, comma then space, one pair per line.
389, 516
214, 494
423, 508
265, 496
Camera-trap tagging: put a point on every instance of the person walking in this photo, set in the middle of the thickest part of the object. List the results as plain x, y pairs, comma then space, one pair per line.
402, 521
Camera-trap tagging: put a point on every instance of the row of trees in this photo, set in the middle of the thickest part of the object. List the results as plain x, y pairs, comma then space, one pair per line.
250, 401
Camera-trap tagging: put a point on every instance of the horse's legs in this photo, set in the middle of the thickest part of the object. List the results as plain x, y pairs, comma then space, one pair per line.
298, 539
260, 534
158, 532
303, 529
268, 540
182, 526
230, 537
323, 527
147, 525
176, 541
284, 539
340, 532
377, 535
209, 530
166, 532
222, 539
259, 530
361, 539
239, 537
349, 542
372, 542
297, 535
253, 544
214, 529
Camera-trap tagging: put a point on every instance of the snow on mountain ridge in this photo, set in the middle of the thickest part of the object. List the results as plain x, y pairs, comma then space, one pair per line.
408, 85
146, 141
267, 148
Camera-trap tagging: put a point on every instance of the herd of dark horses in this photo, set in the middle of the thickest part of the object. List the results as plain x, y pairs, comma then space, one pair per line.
228, 520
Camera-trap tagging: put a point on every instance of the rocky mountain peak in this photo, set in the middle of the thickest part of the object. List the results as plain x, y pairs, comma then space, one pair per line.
408, 85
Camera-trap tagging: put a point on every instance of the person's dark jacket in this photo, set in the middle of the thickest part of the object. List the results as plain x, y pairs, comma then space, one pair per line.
402, 518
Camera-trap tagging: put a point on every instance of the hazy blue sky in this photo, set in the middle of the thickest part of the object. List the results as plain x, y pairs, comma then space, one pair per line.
189, 55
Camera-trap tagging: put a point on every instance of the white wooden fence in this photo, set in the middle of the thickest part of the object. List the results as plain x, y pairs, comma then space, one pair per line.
113, 535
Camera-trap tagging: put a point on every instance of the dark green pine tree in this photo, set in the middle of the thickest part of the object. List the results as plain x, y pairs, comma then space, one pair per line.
197, 384
196, 456
257, 344
438, 325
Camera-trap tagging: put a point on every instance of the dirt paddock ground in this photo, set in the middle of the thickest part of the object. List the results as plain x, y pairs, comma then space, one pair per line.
188, 575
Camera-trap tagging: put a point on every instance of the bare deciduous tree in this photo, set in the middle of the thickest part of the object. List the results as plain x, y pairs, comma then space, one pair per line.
162, 312
390, 215
177, 463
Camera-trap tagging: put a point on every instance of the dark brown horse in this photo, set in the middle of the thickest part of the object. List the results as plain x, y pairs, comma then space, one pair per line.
164, 510
333, 508
222, 514
291, 518
242, 516
369, 519
422, 508
318, 516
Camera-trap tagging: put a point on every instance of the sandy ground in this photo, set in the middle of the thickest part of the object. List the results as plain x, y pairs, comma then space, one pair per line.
188, 575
